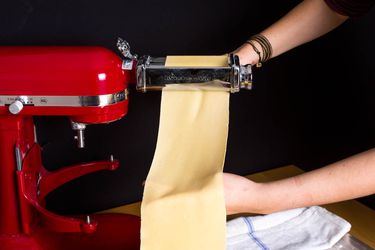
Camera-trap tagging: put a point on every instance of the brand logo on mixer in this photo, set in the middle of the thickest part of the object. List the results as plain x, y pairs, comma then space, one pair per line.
119, 96
43, 100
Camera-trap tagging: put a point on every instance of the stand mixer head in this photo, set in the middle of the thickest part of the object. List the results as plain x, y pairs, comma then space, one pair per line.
87, 84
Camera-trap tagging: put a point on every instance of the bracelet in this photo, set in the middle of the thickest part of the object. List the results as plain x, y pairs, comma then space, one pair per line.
259, 63
265, 45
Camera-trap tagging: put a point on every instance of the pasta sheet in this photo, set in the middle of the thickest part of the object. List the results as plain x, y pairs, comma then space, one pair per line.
183, 204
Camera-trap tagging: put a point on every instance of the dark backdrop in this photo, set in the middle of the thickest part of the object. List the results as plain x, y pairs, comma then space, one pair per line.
310, 107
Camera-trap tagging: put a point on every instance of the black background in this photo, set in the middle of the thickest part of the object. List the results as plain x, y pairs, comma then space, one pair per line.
310, 107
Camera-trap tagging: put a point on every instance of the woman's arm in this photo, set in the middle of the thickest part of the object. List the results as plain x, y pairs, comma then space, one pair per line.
347, 179
307, 21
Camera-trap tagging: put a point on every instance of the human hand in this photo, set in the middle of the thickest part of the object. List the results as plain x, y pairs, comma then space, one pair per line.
246, 54
240, 194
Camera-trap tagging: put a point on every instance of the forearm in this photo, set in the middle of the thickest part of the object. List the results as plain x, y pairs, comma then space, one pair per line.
307, 21
347, 179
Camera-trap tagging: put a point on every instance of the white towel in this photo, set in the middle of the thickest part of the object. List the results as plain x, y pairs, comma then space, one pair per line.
311, 228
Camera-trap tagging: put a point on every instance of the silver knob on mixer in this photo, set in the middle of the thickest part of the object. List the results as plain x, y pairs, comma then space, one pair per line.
15, 107
124, 47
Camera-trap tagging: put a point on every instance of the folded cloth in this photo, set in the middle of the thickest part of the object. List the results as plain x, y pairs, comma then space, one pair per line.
310, 228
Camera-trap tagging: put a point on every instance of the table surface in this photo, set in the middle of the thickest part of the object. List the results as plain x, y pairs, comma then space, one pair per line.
360, 216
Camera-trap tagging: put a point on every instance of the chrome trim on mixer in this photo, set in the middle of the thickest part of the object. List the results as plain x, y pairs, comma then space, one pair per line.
65, 101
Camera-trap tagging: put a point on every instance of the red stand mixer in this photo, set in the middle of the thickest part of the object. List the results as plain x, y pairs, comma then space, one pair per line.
86, 84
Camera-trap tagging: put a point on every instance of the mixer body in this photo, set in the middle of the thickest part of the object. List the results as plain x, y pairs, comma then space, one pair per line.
86, 84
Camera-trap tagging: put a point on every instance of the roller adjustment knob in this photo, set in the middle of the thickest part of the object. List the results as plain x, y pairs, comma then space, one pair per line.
15, 107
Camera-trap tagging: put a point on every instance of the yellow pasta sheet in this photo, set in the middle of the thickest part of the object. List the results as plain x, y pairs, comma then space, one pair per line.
183, 204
